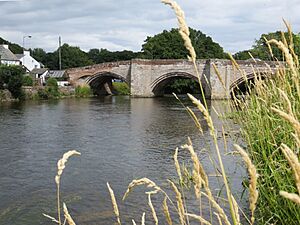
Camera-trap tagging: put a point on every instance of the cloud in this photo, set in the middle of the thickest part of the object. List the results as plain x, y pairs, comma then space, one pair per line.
125, 24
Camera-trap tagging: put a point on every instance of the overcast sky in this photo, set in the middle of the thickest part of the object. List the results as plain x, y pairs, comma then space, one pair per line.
125, 24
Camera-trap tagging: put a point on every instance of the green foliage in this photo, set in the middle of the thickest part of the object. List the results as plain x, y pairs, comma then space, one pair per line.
182, 86
27, 81
70, 57
261, 51
83, 91
51, 90
169, 45
121, 88
264, 131
11, 78
15, 48
104, 55
39, 54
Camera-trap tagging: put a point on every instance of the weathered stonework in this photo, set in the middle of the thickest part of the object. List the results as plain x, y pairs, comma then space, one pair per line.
147, 78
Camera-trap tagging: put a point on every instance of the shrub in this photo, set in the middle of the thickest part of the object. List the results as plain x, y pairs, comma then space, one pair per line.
27, 81
11, 78
83, 91
121, 88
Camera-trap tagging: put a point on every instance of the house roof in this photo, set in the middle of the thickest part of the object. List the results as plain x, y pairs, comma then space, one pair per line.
39, 71
6, 54
56, 73
19, 56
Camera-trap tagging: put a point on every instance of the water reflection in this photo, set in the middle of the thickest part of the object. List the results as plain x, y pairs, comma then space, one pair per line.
120, 139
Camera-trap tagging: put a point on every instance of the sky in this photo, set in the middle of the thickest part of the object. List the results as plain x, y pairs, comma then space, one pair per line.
125, 24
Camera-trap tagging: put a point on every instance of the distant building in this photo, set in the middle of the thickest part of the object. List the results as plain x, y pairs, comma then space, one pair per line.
28, 61
7, 57
60, 76
39, 74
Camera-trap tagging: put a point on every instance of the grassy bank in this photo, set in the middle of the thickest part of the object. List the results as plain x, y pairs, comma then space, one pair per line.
269, 119
121, 88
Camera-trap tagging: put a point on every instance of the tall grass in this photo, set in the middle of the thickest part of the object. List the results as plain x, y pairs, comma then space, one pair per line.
270, 124
270, 120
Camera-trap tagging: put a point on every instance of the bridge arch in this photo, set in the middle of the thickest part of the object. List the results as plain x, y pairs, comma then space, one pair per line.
101, 83
245, 83
159, 84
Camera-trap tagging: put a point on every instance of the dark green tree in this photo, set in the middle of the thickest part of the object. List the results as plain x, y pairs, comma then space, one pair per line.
169, 45
261, 51
39, 54
15, 48
70, 57
104, 55
11, 78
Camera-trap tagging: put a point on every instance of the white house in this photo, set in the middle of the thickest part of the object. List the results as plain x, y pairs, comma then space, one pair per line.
40, 75
28, 61
7, 57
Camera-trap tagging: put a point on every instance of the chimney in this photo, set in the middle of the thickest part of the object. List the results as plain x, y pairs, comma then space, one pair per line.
25, 52
5, 46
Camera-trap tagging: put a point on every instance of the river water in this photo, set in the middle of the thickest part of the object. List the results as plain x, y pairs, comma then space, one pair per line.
120, 139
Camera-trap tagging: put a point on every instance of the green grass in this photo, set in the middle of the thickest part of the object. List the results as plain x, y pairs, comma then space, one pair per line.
264, 131
121, 88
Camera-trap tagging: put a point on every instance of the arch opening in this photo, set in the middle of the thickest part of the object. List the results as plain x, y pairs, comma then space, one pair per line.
179, 83
108, 84
241, 87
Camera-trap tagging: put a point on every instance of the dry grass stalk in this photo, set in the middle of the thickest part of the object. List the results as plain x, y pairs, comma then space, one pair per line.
166, 211
114, 203
290, 118
67, 215
253, 193
185, 33
291, 196
219, 76
143, 181
180, 206
297, 140
152, 209
133, 222
206, 115
236, 210
61, 164
294, 163
218, 208
199, 174
143, 219
200, 218
177, 165
219, 218
183, 28
289, 58
195, 119
51, 218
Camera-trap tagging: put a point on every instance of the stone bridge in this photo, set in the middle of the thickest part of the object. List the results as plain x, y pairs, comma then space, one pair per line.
148, 78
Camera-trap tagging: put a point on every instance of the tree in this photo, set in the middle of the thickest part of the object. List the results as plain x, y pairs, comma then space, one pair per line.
169, 45
104, 55
15, 48
261, 50
70, 57
39, 54
11, 78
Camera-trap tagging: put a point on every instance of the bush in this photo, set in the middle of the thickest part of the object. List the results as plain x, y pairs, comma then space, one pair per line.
27, 81
121, 88
11, 78
83, 91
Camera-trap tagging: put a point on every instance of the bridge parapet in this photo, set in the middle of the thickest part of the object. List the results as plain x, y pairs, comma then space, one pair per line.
147, 78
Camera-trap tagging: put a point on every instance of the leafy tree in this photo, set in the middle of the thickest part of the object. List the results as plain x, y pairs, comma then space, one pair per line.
104, 55
260, 48
27, 81
70, 57
169, 45
11, 78
39, 54
15, 48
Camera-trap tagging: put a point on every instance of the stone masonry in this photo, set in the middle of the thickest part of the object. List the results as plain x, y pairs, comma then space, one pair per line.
147, 78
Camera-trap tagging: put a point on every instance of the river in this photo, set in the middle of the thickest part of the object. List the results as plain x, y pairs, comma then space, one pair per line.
120, 139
